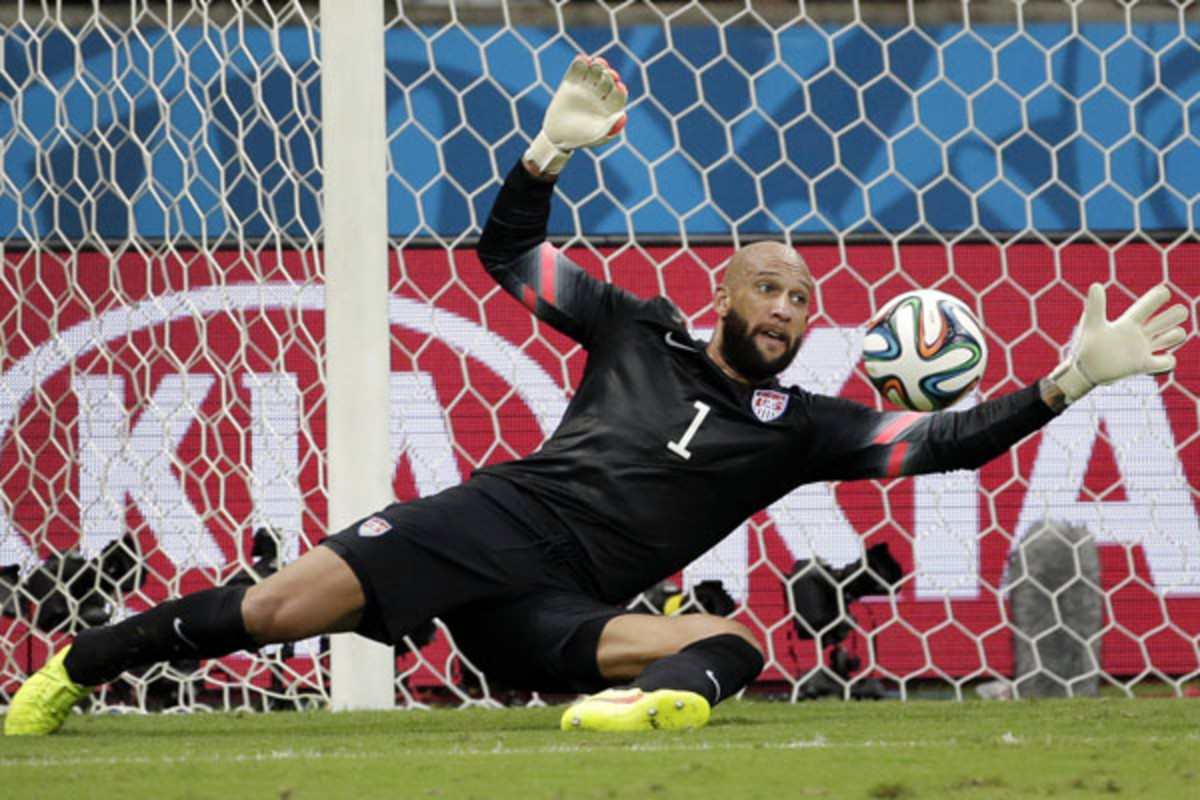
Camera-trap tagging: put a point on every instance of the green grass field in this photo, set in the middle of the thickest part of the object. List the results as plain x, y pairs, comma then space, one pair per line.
1146, 748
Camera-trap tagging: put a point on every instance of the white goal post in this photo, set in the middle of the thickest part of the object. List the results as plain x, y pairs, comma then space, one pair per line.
357, 345
237, 255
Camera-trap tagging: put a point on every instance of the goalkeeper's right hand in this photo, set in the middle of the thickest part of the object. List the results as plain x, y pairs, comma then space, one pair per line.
1132, 344
587, 110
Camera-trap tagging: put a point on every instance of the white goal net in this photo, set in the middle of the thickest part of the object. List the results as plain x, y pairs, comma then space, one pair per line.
162, 410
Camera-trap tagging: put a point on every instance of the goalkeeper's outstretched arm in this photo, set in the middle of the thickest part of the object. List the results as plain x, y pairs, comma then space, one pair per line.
893, 444
587, 110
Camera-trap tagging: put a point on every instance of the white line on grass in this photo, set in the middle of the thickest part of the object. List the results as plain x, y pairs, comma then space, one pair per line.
499, 749
301, 755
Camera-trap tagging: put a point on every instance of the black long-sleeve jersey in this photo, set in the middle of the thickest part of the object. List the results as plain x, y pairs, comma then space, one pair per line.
659, 454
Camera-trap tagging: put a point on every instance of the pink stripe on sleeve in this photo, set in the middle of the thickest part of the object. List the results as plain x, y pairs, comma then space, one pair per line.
896, 459
897, 427
549, 273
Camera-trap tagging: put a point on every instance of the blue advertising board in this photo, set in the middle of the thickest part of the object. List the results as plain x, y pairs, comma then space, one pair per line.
209, 134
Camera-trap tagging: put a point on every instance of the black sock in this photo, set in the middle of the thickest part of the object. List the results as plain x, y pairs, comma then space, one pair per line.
205, 624
716, 668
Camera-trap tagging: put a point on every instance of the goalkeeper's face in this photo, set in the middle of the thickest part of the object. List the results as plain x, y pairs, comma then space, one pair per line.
762, 306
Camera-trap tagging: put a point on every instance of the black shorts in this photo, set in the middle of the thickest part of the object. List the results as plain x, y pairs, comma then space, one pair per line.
496, 568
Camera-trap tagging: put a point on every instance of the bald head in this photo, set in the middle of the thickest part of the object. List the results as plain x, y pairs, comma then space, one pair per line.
762, 312
749, 261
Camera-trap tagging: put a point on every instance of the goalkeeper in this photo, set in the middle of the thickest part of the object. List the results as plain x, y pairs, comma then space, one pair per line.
668, 445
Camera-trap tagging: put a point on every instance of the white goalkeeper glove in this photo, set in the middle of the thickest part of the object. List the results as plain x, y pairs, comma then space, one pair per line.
587, 110
1107, 351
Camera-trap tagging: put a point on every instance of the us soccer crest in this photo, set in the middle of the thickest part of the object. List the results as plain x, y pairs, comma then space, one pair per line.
375, 526
768, 404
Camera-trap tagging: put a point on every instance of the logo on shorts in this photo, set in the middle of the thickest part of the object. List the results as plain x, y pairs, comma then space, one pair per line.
768, 404
375, 526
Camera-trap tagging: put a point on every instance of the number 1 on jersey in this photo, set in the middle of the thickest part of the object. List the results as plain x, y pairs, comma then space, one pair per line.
680, 448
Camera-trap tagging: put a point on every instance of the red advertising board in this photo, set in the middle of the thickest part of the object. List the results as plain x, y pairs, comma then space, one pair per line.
179, 398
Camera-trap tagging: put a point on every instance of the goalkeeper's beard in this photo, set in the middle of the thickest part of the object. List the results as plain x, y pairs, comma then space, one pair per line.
740, 351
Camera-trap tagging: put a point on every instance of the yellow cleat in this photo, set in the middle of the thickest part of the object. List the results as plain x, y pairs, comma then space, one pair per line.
635, 710
44, 700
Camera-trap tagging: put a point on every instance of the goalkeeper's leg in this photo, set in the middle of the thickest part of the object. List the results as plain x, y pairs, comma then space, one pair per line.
676, 668
317, 593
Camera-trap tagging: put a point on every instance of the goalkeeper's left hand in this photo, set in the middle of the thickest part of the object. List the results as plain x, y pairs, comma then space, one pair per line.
1133, 344
587, 110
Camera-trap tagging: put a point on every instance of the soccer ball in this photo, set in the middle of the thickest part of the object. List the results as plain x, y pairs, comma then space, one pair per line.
924, 350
